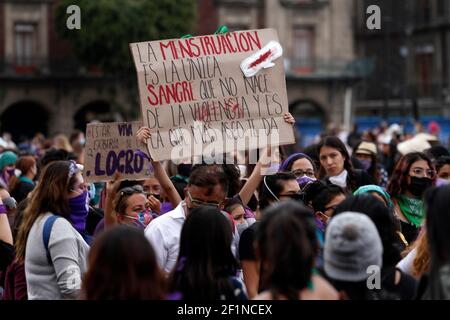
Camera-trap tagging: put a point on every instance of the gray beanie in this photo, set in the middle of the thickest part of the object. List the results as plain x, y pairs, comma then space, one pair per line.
352, 244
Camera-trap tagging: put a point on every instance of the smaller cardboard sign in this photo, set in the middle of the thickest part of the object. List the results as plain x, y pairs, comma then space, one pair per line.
112, 147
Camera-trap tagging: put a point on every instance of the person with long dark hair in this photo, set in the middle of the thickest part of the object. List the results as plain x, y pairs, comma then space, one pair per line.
392, 278
122, 265
437, 222
279, 187
323, 199
336, 167
442, 166
206, 268
367, 155
286, 244
49, 240
23, 184
412, 175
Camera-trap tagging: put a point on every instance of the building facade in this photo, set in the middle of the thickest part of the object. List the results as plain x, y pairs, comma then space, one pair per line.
42, 86
40, 78
319, 52
411, 53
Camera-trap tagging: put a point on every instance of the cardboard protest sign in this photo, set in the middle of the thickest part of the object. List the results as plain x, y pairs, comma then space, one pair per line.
112, 147
196, 99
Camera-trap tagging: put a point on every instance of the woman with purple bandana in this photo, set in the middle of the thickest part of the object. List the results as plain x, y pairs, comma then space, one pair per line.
49, 240
301, 166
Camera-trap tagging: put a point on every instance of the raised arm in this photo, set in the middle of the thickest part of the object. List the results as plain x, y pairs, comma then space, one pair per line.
111, 190
261, 166
160, 174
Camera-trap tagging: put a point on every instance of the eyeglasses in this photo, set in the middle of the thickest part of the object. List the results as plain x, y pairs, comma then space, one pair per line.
420, 172
300, 173
199, 203
293, 196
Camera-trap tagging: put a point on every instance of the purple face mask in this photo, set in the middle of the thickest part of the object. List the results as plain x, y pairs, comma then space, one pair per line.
79, 208
303, 181
442, 182
11, 172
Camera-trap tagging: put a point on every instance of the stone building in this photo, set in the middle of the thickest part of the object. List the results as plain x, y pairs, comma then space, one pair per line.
411, 52
39, 77
42, 87
319, 52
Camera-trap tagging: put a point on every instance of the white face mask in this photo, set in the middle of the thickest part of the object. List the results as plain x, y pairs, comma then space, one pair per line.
340, 180
242, 226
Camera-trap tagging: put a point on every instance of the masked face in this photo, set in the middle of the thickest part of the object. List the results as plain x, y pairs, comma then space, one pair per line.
79, 208
10, 170
366, 164
138, 224
242, 226
303, 181
417, 186
442, 182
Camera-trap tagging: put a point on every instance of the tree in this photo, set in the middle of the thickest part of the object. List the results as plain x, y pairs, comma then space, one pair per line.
108, 26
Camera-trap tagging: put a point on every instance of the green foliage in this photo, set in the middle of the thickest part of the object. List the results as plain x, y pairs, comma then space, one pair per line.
108, 26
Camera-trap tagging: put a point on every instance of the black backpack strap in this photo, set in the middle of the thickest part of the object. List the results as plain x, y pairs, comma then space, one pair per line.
48, 225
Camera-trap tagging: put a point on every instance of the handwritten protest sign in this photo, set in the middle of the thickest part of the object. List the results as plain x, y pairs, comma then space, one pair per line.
196, 99
112, 147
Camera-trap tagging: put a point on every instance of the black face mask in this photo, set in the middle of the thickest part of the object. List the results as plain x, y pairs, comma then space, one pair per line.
157, 196
418, 186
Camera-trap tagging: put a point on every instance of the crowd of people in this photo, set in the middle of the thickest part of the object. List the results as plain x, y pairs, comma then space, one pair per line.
365, 217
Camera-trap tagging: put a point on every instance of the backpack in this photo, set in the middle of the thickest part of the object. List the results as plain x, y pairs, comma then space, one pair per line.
48, 225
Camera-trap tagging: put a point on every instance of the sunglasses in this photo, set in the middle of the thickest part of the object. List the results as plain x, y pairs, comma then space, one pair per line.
128, 191
199, 203
293, 196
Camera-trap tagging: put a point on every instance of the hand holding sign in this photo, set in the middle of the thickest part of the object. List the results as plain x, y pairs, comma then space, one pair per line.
289, 118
